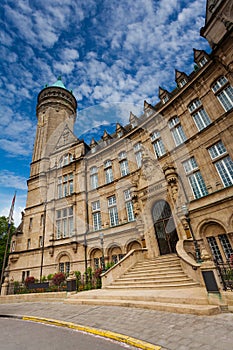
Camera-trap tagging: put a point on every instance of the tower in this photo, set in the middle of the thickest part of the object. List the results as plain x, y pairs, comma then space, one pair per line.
56, 108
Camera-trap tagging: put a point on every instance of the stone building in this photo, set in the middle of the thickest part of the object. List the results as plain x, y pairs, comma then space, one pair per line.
163, 182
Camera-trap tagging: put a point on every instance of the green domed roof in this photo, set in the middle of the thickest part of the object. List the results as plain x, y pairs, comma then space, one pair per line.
59, 83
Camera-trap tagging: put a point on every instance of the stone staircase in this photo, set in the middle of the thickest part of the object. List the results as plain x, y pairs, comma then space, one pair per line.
159, 273
156, 284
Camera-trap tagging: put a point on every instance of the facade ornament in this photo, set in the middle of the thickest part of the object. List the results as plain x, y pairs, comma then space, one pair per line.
171, 177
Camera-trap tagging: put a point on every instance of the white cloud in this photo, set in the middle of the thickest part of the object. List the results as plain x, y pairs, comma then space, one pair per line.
10, 179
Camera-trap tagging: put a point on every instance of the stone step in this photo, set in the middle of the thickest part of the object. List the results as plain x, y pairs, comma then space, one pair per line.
152, 305
153, 269
156, 278
154, 272
152, 285
158, 263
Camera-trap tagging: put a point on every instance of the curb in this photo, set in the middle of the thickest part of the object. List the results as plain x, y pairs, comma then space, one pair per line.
140, 344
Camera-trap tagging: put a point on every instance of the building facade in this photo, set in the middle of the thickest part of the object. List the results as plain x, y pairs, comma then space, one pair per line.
165, 178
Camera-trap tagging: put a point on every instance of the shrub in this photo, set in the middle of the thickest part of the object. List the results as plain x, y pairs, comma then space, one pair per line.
50, 277
58, 278
29, 279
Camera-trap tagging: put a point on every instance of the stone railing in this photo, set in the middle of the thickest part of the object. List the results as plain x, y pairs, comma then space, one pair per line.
123, 265
189, 265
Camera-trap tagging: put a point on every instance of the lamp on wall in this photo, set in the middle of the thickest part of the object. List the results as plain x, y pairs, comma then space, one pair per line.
196, 246
102, 249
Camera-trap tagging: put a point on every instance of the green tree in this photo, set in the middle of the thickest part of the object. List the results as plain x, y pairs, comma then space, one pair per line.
3, 238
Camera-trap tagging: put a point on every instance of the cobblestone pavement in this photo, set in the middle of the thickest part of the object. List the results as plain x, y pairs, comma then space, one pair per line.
169, 330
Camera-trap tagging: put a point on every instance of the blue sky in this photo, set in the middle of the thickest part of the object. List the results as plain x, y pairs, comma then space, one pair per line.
113, 54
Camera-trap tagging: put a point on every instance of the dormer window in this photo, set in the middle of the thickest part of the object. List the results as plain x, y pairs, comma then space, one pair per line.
203, 61
182, 82
165, 99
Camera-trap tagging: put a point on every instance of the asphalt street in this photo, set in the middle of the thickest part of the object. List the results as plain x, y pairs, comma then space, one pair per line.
26, 335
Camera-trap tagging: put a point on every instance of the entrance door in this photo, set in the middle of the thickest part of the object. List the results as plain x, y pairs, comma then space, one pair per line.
164, 226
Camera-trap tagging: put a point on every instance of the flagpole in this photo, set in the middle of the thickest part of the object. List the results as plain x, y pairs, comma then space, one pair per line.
5, 254
10, 219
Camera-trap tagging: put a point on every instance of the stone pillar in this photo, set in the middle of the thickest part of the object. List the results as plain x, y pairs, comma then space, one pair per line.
5, 285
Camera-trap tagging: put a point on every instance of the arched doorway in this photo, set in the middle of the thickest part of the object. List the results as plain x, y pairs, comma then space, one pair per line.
164, 226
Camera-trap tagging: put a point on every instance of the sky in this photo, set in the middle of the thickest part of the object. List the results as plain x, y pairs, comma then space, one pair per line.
113, 55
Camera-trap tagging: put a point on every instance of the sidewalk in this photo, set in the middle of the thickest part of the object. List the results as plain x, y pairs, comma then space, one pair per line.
169, 330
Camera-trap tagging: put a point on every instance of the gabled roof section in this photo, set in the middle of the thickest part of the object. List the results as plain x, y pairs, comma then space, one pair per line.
163, 92
199, 54
133, 119
67, 138
119, 128
106, 136
93, 143
180, 75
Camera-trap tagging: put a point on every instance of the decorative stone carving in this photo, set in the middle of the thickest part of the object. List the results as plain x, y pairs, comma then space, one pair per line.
171, 177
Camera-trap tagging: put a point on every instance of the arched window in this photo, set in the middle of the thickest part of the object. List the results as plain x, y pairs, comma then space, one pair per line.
66, 159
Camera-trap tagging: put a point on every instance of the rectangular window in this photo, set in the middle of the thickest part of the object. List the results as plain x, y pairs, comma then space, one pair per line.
29, 243
195, 179
217, 150
197, 184
129, 209
124, 167
201, 119
111, 200
65, 186
62, 267
225, 97
94, 181
190, 165
113, 216
40, 241
225, 170
127, 195
214, 248
129, 205
224, 166
203, 61
95, 205
64, 223
96, 216
108, 175
225, 243
178, 135
159, 148
138, 154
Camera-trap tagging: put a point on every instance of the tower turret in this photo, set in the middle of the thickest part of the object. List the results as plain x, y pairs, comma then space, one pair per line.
56, 106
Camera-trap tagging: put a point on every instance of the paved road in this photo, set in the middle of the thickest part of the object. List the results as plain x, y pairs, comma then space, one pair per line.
17, 334
171, 331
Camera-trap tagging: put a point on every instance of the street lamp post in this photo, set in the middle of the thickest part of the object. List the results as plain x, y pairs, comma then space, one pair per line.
102, 249
196, 246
